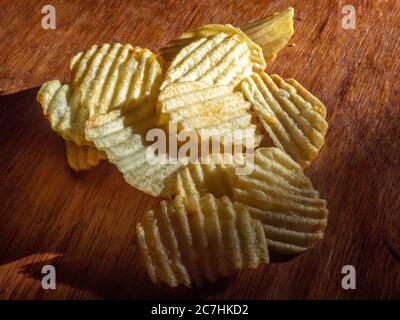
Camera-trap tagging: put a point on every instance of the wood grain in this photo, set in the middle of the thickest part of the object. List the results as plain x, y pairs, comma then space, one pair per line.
84, 223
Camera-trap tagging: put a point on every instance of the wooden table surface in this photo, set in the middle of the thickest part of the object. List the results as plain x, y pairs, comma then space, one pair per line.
84, 224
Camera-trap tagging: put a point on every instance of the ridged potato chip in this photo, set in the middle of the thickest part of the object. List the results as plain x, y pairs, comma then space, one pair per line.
198, 105
115, 76
198, 179
272, 33
174, 46
82, 157
103, 78
292, 116
188, 246
121, 134
213, 175
63, 110
217, 59
279, 194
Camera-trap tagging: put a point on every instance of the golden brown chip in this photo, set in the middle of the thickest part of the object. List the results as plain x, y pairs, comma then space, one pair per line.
62, 109
82, 157
292, 116
103, 78
115, 76
217, 59
279, 194
188, 246
198, 179
213, 175
121, 134
197, 106
272, 33
173, 47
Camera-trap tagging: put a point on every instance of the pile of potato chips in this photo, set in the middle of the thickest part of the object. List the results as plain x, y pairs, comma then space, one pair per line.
214, 221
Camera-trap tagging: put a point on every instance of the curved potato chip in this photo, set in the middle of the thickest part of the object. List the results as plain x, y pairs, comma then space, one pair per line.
103, 78
173, 47
191, 246
198, 179
115, 76
217, 59
213, 175
292, 116
62, 108
197, 106
121, 134
279, 194
272, 33
82, 157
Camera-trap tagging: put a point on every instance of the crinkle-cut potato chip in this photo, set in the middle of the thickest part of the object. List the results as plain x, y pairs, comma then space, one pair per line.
198, 105
292, 116
103, 78
121, 134
217, 59
198, 179
82, 157
279, 194
181, 245
174, 46
115, 76
213, 175
62, 108
272, 33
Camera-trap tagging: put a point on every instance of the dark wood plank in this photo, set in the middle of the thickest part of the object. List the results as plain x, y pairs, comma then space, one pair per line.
84, 223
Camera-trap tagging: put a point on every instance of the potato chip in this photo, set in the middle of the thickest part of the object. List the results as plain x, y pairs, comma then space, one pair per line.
115, 76
217, 59
279, 194
213, 175
173, 47
198, 105
121, 134
63, 110
292, 116
82, 157
198, 179
103, 78
188, 246
272, 33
